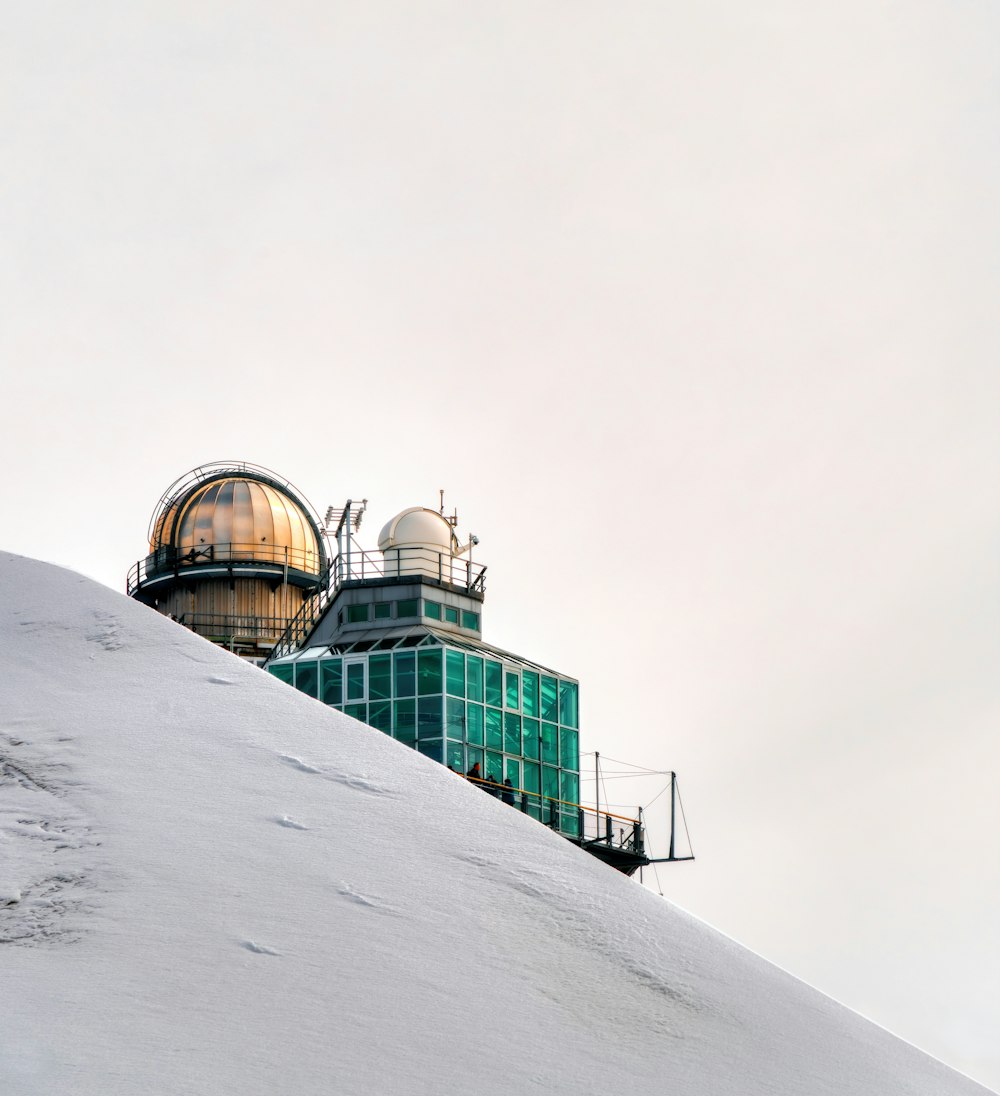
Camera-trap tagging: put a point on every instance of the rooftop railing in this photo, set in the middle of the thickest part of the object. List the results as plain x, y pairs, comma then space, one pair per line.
402, 563
169, 560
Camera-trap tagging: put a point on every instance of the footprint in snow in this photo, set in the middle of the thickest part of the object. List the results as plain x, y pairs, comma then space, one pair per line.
348, 892
217, 679
289, 823
298, 763
259, 949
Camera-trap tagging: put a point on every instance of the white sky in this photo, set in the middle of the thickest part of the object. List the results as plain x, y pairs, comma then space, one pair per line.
693, 314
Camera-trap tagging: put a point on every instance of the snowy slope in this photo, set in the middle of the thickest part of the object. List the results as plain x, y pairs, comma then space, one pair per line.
210, 884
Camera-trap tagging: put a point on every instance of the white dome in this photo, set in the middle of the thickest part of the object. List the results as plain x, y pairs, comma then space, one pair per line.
417, 527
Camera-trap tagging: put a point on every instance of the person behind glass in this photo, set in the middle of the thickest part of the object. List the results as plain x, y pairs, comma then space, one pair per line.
493, 787
474, 773
508, 793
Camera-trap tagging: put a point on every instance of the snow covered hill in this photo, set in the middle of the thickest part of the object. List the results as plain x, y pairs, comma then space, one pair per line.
210, 884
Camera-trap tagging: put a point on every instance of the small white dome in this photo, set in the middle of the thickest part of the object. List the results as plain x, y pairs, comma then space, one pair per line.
417, 527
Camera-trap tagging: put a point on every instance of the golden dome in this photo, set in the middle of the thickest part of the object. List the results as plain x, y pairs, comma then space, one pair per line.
239, 518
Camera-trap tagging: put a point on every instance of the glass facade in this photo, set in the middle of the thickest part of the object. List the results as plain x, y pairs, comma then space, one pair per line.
459, 709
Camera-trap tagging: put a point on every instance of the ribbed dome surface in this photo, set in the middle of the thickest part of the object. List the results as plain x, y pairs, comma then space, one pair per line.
243, 519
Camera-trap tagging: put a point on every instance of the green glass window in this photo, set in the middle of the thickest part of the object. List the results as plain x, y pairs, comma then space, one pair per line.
356, 614
530, 729
455, 756
306, 677
355, 681
550, 699
494, 729
380, 715
450, 614
472, 755
474, 723
429, 678
532, 777
511, 733
431, 748
383, 610
432, 609
569, 822
474, 677
379, 677
513, 690
283, 671
331, 681
429, 717
408, 607
455, 672
550, 782
512, 772
470, 620
405, 667
570, 749
570, 783
529, 687
494, 684
550, 744
455, 718
568, 715
494, 768
405, 712
357, 711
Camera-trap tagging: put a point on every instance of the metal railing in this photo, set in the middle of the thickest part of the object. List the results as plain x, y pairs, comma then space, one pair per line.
402, 563
588, 825
229, 625
170, 560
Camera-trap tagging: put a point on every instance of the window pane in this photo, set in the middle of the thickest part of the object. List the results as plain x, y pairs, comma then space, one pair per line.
529, 685
474, 675
431, 748
380, 716
283, 672
472, 756
357, 613
306, 677
494, 729
511, 733
432, 609
494, 684
331, 681
408, 607
450, 614
382, 610
455, 718
405, 665
550, 782
355, 681
429, 671
513, 690
531, 777
550, 699
494, 768
570, 751
379, 677
455, 663
455, 756
474, 724
512, 772
429, 717
406, 720
550, 744
570, 787
530, 727
357, 711
568, 715
470, 620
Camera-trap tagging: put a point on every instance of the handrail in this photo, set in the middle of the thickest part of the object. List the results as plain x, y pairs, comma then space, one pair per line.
167, 560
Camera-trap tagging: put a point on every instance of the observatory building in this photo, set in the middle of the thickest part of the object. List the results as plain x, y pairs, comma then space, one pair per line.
234, 552
392, 637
